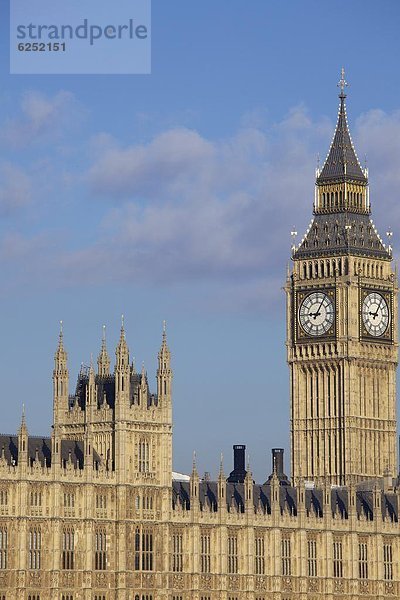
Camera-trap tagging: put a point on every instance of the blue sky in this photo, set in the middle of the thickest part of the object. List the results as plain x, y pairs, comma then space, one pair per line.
172, 196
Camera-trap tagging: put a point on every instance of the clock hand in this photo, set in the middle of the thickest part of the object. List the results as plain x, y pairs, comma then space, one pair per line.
319, 308
322, 301
375, 314
316, 314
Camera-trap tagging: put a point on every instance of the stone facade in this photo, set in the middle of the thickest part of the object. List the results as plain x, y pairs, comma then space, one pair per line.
96, 513
342, 353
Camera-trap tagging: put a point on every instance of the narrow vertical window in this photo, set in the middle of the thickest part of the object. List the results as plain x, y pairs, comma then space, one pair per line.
232, 554
147, 551
144, 456
286, 557
100, 556
177, 552
387, 562
3, 548
34, 548
137, 549
259, 555
312, 558
205, 553
3, 497
362, 560
68, 544
337, 559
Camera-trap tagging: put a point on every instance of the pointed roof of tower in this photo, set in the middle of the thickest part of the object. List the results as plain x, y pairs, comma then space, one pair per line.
23, 430
342, 162
194, 466
60, 352
164, 350
103, 360
122, 346
346, 229
91, 369
221, 467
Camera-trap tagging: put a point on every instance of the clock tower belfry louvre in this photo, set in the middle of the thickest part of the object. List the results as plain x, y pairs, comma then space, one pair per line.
342, 329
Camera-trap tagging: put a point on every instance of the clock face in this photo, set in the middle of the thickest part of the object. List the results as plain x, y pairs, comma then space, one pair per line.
316, 313
375, 314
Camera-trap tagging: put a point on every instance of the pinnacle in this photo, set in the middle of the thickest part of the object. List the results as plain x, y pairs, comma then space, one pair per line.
60, 354
194, 467
342, 161
122, 347
103, 360
23, 428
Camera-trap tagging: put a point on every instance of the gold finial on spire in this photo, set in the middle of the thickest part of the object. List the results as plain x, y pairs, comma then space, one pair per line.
342, 84
104, 335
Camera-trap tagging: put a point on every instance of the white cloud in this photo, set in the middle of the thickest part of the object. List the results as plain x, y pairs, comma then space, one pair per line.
185, 209
15, 188
169, 160
378, 135
41, 116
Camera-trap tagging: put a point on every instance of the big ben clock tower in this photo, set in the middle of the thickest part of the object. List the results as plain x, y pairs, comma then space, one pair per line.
342, 329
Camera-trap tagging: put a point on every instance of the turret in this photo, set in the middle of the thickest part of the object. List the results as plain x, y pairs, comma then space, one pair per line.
91, 399
122, 403
122, 368
23, 442
60, 379
144, 388
249, 491
275, 494
221, 488
103, 360
164, 372
194, 486
91, 405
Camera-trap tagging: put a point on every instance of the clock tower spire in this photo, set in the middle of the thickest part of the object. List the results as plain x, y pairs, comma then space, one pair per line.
342, 329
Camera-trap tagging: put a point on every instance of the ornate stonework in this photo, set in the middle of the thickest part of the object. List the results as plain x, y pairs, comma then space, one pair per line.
95, 511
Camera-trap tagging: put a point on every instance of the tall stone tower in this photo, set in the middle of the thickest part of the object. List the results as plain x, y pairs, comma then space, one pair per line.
342, 329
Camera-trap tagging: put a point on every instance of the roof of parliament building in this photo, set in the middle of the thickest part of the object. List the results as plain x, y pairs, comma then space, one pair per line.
72, 455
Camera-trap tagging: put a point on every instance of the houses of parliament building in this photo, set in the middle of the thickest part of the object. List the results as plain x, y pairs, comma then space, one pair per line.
95, 512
